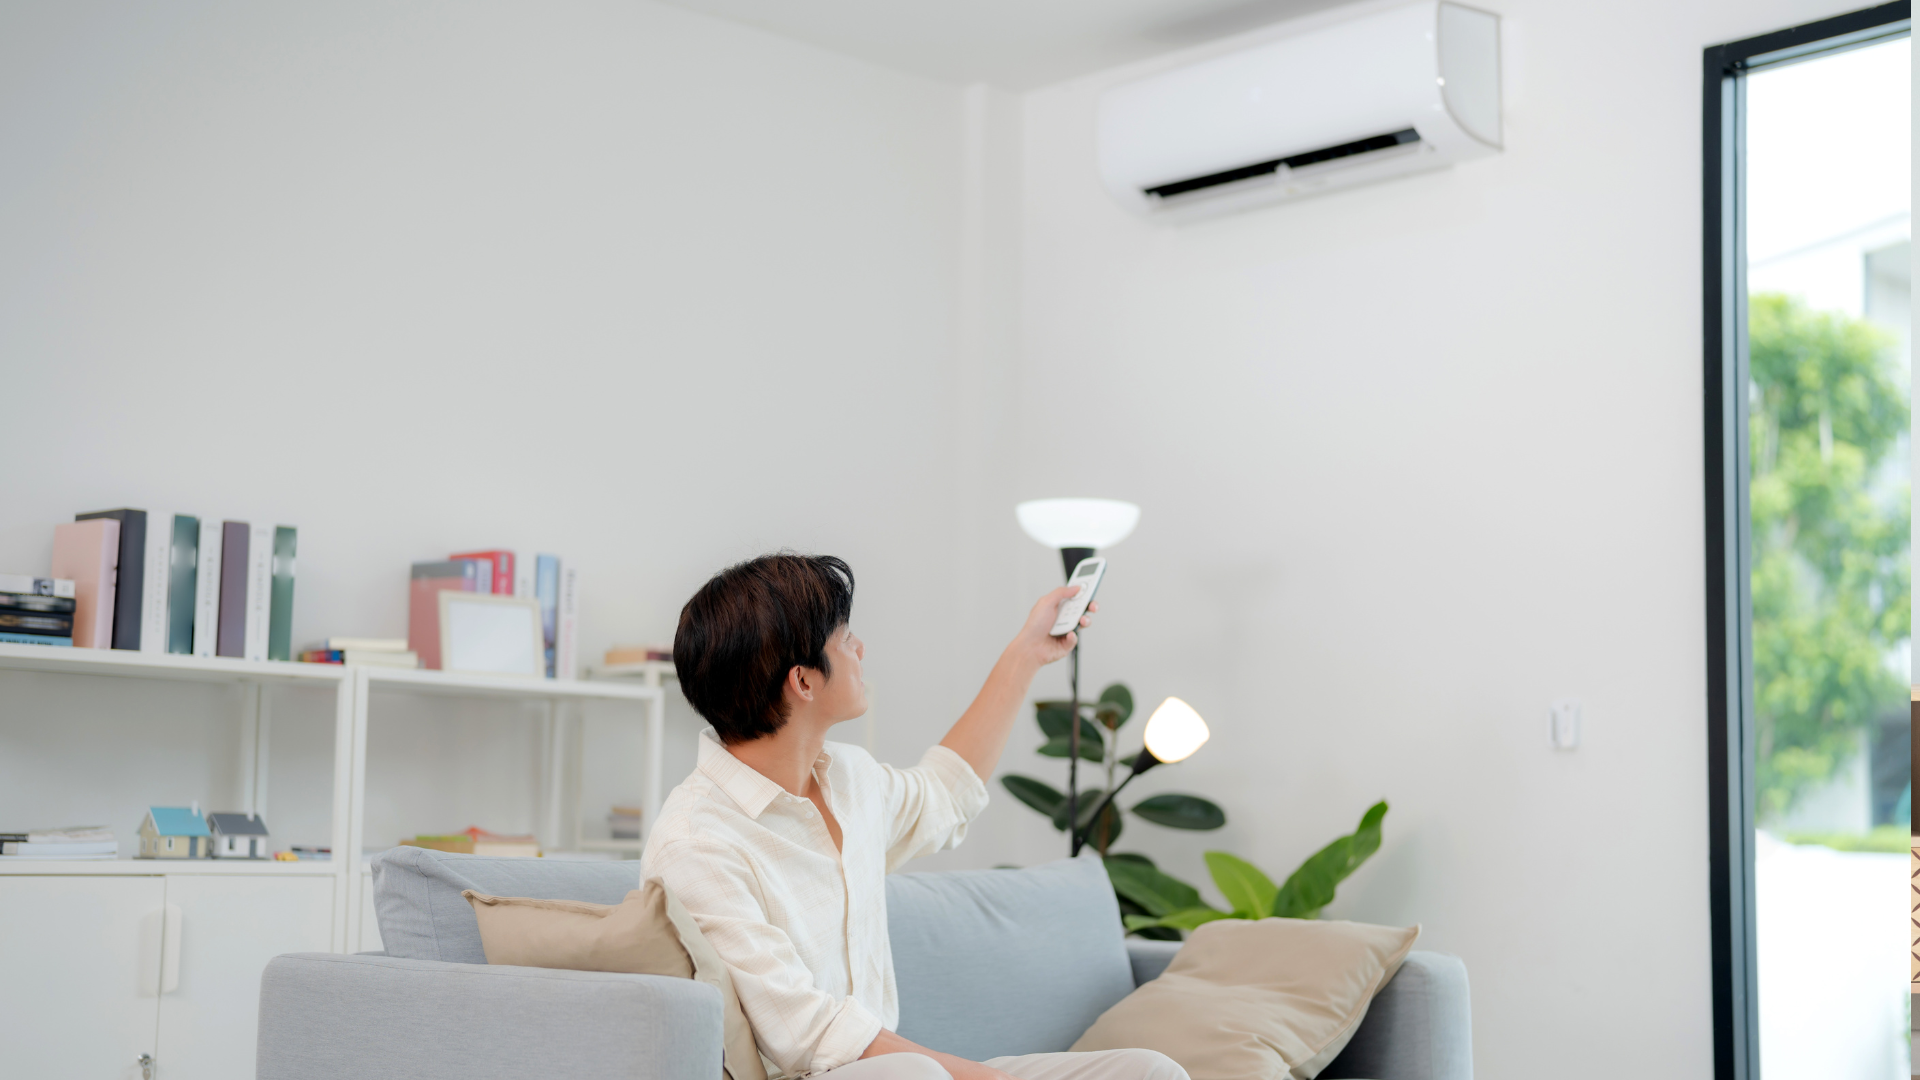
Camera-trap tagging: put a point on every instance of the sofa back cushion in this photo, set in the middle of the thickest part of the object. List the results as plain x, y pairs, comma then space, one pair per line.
416, 895
995, 962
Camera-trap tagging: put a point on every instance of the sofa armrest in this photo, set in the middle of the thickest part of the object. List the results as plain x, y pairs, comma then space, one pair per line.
1150, 958
1419, 1027
324, 1016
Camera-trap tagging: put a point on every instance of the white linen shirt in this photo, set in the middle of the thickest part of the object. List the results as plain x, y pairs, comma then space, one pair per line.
802, 927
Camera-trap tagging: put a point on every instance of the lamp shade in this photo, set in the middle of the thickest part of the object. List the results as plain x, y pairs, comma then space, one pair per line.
1078, 523
1175, 731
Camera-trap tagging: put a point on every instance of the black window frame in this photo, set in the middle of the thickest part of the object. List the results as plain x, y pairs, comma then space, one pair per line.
1730, 722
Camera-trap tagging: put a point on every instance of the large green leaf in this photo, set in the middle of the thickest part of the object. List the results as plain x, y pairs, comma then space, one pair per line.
1189, 919
1157, 893
1052, 717
1115, 706
1181, 812
1089, 799
1040, 796
1153, 933
1091, 748
1245, 887
1132, 857
1312, 887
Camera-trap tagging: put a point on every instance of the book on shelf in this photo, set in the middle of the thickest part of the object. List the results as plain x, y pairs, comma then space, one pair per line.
524, 565
88, 553
76, 842
280, 619
32, 618
183, 566
478, 841
363, 657
370, 644
234, 539
131, 574
206, 590
637, 654
427, 581
37, 586
27, 849
259, 590
546, 590
566, 639
500, 565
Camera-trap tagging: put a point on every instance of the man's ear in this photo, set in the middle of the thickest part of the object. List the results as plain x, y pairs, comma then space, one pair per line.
799, 684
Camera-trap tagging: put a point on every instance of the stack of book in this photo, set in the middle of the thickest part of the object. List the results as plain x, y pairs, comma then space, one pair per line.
77, 842
36, 611
478, 841
174, 583
371, 652
549, 581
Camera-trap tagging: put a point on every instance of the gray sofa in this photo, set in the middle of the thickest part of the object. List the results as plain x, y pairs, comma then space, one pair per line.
989, 962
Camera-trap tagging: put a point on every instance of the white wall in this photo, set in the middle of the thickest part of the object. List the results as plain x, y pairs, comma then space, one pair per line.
1415, 461
645, 288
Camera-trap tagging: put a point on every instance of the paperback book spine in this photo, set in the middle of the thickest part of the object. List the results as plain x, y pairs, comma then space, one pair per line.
259, 590
38, 586
567, 644
500, 566
130, 573
88, 553
233, 589
183, 566
153, 600
37, 603
523, 572
280, 628
206, 590
547, 592
46, 624
33, 639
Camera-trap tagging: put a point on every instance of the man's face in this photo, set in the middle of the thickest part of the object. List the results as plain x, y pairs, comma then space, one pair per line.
845, 694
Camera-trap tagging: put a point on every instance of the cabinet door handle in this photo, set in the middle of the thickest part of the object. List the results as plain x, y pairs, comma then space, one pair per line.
170, 951
145, 1061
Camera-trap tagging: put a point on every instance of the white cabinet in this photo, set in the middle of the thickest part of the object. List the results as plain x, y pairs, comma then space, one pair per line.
228, 928
80, 974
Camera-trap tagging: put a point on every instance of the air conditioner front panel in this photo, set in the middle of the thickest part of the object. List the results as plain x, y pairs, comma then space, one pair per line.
1333, 87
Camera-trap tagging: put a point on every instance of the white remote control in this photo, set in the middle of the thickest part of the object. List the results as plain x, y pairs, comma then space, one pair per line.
1087, 575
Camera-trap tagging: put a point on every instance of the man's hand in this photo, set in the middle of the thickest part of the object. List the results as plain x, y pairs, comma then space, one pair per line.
1034, 644
962, 1069
959, 1068
981, 732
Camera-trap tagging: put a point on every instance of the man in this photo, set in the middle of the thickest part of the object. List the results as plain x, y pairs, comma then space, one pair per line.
779, 842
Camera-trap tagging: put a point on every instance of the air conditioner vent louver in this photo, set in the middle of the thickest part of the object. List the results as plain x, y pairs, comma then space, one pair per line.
1368, 145
1397, 91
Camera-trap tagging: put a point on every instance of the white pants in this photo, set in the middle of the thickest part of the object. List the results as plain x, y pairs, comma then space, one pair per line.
1094, 1065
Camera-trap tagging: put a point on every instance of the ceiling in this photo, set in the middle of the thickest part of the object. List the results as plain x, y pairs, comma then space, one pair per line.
1015, 44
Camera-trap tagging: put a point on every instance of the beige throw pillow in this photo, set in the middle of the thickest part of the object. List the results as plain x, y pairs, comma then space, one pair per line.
1243, 1000
648, 933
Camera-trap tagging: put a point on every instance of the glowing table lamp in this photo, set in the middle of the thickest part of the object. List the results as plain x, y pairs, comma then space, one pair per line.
1174, 732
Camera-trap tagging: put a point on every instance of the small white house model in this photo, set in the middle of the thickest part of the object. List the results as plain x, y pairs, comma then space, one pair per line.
238, 836
174, 832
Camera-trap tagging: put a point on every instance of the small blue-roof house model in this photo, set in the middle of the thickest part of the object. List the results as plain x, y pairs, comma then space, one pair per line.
175, 832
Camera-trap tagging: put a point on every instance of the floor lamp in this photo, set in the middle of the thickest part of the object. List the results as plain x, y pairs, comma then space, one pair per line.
1077, 528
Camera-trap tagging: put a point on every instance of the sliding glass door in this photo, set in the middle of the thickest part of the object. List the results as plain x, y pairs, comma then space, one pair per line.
1809, 380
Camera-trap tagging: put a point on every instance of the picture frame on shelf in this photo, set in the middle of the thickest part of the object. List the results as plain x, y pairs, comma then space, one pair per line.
481, 634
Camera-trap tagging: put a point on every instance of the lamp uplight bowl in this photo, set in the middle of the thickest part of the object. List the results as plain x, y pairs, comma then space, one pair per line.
1077, 523
1175, 731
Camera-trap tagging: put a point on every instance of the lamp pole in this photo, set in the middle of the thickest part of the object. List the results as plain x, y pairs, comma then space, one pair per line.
1071, 558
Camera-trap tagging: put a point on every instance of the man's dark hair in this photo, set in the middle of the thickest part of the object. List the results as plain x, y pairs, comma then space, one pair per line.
751, 624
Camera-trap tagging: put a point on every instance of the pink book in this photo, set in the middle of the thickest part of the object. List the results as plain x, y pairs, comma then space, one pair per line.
89, 553
428, 580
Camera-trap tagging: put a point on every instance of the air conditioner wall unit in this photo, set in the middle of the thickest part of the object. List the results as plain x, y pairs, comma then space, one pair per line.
1402, 90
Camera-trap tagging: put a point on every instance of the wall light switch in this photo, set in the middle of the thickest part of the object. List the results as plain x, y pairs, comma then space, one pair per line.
1565, 726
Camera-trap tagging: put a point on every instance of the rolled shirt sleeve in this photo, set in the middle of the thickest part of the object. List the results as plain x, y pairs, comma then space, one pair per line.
930, 805
799, 1027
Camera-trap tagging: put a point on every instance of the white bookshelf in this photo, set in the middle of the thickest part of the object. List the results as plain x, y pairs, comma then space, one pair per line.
356, 690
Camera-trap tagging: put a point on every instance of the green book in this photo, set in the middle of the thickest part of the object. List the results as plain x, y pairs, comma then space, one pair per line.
183, 583
280, 617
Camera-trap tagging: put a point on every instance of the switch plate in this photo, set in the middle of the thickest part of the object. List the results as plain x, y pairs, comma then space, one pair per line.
1564, 725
